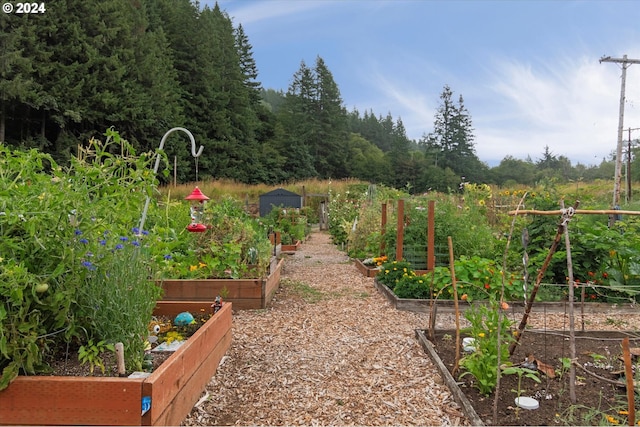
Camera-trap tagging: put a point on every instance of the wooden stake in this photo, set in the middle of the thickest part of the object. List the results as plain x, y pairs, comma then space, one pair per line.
628, 373
120, 359
455, 305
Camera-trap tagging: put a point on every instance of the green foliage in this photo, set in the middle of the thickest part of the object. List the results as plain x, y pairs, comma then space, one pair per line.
117, 296
491, 331
609, 257
392, 272
343, 211
235, 245
42, 208
521, 372
467, 226
412, 285
92, 354
477, 278
292, 224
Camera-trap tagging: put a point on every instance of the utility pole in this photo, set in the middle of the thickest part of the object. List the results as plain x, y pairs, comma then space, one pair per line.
628, 170
626, 63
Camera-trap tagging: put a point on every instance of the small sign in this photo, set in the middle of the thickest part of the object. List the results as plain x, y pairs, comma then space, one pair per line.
146, 404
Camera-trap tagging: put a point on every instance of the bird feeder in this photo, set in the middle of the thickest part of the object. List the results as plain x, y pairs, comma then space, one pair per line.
197, 209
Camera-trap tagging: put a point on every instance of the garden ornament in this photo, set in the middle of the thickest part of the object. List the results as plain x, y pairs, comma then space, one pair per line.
183, 319
197, 199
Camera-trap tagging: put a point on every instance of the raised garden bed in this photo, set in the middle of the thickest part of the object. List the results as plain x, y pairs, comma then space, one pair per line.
173, 388
245, 294
291, 248
596, 399
366, 270
447, 306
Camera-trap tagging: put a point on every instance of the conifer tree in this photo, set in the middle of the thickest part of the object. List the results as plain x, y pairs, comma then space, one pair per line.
451, 145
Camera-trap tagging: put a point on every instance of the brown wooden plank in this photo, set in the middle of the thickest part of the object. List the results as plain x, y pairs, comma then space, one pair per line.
71, 400
272, 283
209, 289
178, 369
458, 396
183, 401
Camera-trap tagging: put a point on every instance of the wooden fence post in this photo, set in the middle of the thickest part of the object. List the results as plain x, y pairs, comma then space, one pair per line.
383, 226
431, 238
400, 230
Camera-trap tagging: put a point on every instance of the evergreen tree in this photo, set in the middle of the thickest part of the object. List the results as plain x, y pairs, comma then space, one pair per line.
17, 88
248, 65
330, 139
451, 142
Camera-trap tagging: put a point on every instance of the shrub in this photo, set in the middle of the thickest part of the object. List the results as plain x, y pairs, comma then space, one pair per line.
393, 271
232, 243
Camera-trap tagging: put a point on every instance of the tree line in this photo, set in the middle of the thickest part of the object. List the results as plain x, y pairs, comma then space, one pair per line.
145, 66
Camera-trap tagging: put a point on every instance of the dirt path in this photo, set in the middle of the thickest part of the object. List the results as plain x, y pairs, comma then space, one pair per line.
329, 350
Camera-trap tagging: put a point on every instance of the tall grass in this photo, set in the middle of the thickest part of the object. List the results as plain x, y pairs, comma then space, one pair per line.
216, 189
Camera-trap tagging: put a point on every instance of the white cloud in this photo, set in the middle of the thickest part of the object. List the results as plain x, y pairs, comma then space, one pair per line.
570, 106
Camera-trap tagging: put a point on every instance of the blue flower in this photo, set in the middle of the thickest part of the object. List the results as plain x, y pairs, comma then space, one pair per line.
135, 230
119, 246
78, 232
124, 238
135, 243
102, 242
89, 265
83, 240
145, 233
167, 256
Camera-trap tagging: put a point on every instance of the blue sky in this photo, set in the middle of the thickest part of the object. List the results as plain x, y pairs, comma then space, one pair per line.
528, 71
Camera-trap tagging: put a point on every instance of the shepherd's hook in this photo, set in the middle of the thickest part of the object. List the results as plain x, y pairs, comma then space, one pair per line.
157, 164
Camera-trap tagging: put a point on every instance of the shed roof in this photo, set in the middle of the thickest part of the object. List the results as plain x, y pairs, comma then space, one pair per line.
280, 192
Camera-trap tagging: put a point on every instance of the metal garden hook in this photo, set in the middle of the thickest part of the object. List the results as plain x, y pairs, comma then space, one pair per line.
157, 164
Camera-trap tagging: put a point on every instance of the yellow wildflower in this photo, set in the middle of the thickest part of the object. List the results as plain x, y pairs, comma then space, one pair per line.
481, 335
612, 420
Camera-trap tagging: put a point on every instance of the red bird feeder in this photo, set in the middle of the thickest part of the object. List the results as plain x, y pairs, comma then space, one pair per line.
197, 207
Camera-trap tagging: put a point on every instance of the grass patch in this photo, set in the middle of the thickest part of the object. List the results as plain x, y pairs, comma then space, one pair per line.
307, 293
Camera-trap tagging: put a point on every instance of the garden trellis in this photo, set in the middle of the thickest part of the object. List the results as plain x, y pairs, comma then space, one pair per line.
566, 214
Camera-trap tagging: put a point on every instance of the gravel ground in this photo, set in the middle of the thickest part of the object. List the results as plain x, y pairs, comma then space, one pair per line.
330, 350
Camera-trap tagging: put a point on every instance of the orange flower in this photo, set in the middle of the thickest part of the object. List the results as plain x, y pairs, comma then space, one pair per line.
504, 305
464, 297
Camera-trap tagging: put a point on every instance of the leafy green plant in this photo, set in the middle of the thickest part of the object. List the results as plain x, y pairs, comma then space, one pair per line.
93, 354
343, 210
392, 272
521, 372
42, 206
565, 365
117, 298
477, 278
232, 243
412, 285
292, 224
491, 331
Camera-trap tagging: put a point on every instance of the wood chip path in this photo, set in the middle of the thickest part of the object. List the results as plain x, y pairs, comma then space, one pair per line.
330, 350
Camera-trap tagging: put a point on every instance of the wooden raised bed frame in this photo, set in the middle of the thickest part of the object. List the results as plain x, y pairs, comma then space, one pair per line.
447, 306
291, 248
173, 388
245, 294
366, 270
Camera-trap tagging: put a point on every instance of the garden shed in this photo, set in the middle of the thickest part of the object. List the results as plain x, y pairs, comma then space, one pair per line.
279, 197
